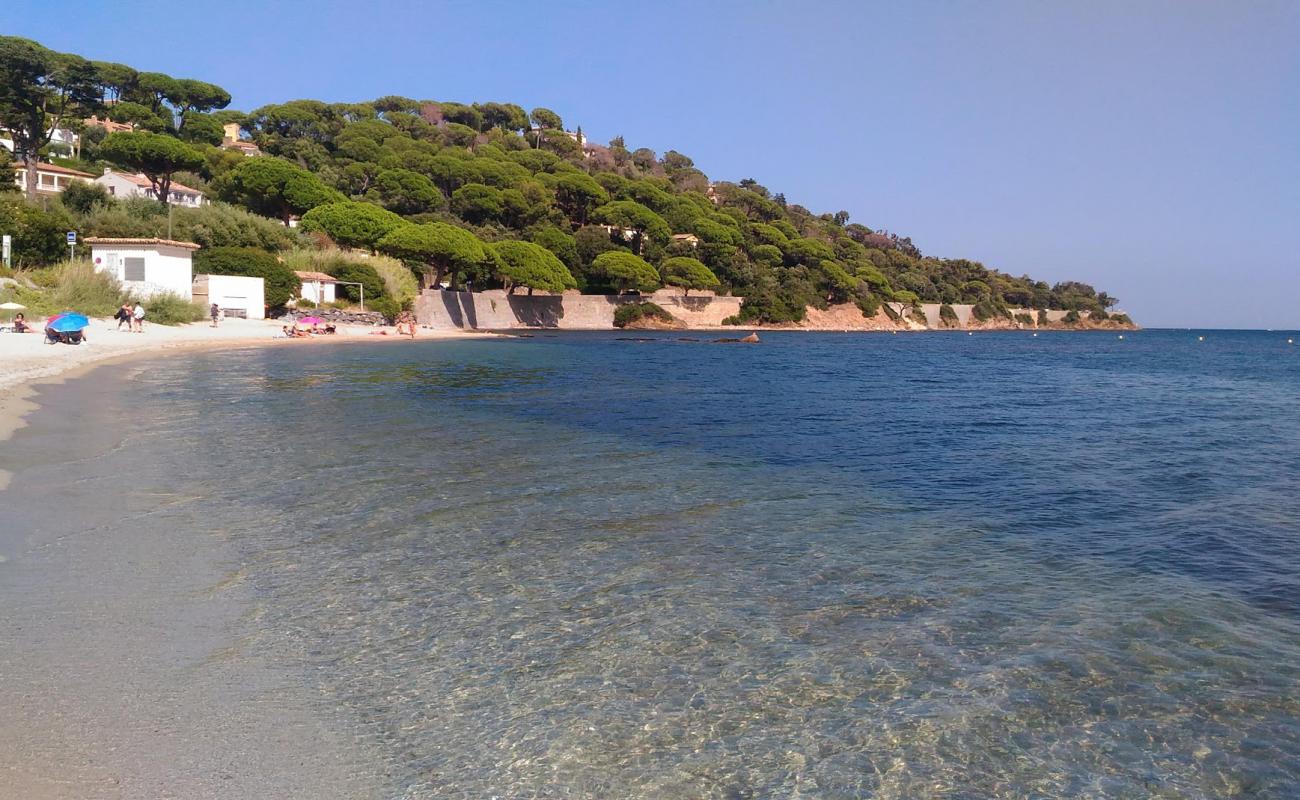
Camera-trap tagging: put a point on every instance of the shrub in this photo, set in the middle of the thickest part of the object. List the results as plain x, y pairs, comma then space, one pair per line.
948, 316
354, 272
83, 197
1098, 316
281, 283
988, 309
38, 235
1071, 317
1024, 318
387, 306
1042, 316
1122, 319
868, 303
631, 312
302, 302
81, 288
171, 309
213, 225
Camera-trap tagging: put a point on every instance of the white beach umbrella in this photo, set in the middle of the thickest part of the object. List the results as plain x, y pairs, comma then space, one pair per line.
13, 306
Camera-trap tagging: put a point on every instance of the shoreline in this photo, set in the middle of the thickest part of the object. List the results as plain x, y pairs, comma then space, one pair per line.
29, 363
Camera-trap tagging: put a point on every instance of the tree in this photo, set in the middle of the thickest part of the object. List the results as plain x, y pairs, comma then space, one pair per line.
688, 273
560, 243
352, 224
275, 188
547, 119
477, 204
40, 90
201, 129
626, 272
631, 215
406, 191
576, 193
156, 155
82, 197
436, 247
531, 265
279, 282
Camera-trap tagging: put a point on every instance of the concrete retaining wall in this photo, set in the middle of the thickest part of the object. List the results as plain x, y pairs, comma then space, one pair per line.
496, 310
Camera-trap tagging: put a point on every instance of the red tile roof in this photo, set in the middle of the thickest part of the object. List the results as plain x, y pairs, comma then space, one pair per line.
143, 183
41, 166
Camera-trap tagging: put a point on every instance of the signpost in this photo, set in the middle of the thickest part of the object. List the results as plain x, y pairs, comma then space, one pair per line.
6, 248
72, 245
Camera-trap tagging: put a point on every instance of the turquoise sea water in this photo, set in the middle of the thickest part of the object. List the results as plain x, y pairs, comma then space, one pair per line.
833, 566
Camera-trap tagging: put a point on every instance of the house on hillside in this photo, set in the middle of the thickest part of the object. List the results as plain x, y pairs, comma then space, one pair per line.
231, 140
317, 287
125, 184
146, 267
686, 238
50, 178
108, 125
64, 142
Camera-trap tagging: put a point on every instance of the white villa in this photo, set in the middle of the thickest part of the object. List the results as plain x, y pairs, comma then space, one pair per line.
50, 178
125, 184
147, 267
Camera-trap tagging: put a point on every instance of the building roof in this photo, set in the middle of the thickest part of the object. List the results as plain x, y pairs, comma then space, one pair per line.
41, 166
142, 242
315, 276
143, 182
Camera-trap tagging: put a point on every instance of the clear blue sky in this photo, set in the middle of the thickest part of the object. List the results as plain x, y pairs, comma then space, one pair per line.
1150, 148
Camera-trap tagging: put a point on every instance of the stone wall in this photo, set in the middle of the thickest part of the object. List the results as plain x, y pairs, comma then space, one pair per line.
496, 310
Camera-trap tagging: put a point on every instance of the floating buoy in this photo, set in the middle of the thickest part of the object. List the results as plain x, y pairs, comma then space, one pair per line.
970, 333
1121, 336
1290, 341
1200, 338
1035, 336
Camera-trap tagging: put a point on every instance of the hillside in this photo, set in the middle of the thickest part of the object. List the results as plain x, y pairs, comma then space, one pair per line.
484, 195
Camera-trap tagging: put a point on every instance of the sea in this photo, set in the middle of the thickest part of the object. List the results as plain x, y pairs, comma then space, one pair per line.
650, 565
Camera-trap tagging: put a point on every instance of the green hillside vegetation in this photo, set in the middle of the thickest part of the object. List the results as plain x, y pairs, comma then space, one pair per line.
479, 195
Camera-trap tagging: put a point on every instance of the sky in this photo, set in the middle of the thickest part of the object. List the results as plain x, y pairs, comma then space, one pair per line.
1149, 147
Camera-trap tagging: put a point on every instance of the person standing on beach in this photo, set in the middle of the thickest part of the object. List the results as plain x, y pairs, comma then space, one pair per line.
124, 315
215, 311
137, 318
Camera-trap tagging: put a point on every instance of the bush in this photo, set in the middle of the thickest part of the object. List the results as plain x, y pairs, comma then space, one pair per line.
868, 303
1042, 316
734, 319
281, 283
171, 309
1024, 318
303, 302
988, 309
213, 225
353, 272
948, 316
78, 288
1071, 317
1122, 319
387, 306
82, 197
632, 312
39, 236
1098, 316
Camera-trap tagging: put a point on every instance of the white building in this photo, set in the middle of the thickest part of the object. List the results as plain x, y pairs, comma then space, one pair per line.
147, 267
316, 287
236, 295
124, 184
50, 178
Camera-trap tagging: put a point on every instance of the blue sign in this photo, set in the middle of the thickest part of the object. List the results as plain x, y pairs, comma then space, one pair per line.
72, 237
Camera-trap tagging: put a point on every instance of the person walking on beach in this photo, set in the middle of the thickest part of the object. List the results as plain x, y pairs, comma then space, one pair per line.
215, 311
124, 315
137, 318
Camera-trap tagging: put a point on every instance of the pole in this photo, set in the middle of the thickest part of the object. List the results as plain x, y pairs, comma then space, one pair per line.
363, 296
169, 220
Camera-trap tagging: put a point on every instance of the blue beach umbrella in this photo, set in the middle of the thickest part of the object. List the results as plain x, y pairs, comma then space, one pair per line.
67, 323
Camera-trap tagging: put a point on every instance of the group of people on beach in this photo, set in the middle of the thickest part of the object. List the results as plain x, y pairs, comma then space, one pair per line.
132, 317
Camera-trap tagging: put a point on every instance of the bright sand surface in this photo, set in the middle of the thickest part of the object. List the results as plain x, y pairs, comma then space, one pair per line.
120, 672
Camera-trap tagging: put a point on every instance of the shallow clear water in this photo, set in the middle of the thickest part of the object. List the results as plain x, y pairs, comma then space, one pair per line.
836, 566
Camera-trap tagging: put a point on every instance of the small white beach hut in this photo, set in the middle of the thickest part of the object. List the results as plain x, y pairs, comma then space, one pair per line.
237, 295
147, 267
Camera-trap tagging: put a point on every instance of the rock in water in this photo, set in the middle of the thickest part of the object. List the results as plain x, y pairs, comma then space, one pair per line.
751, 338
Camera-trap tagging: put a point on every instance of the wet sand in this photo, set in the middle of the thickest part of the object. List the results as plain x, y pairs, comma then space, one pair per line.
124, 666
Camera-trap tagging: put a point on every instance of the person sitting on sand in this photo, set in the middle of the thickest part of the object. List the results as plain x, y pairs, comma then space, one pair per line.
20, 324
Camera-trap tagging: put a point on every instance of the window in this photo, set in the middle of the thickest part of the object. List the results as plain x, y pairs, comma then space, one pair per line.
133, 270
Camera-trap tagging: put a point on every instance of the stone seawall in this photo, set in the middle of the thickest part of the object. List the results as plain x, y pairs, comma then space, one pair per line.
496, 310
